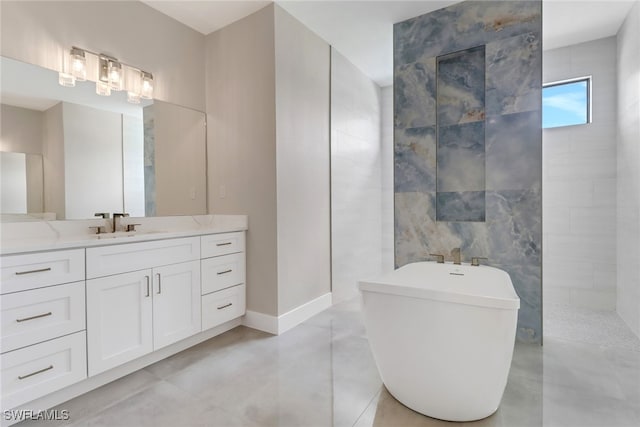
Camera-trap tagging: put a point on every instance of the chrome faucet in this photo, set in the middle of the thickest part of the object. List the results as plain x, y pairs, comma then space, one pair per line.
455, 253
115, 220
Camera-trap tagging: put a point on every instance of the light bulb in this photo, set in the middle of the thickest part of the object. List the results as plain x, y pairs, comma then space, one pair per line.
147, 85
116, 77
78, 64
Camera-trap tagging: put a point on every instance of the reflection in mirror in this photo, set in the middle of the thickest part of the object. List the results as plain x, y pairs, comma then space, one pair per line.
100, 154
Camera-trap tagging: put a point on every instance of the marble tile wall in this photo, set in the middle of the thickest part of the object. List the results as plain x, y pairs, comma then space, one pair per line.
510, 233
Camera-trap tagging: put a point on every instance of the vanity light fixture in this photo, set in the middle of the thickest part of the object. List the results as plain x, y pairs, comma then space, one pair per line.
147, 85
116, 76
78, 64
109, 74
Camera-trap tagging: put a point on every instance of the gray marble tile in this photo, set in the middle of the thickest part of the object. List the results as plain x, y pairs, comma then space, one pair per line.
461, 158
415, 160
460, 206
514, 151
527, 281
463, 25
515, 232
415, 94
161, 404
460, 91
107, 396
514, 76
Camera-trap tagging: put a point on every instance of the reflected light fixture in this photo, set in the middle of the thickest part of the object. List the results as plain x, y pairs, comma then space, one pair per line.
108, 73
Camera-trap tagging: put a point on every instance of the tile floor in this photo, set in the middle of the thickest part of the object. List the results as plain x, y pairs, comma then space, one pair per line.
321, 373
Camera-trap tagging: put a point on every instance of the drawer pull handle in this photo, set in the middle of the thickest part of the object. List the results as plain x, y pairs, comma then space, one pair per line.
40, 270
223, 244
224, 272
147, 279
225, 306
33, 317
22, 377
159, 284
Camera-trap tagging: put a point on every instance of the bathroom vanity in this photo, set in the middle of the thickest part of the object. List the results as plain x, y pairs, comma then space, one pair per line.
79, 311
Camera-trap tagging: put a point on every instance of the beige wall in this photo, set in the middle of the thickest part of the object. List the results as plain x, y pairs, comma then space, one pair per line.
180, 160
41, 32
241, 144
302, 135
21, 130
35, 183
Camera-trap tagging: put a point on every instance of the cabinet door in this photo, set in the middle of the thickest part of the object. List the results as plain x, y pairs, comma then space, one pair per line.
119, 316
176, 302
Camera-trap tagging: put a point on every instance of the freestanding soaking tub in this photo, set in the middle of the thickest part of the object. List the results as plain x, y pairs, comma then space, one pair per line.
442, 336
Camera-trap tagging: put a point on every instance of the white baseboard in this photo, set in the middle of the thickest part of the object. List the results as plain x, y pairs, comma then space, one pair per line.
260, 321
278, 325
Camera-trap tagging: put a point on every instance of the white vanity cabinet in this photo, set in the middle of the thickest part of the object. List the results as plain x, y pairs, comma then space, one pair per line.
42, 338
223, 278
80, 311
134, 313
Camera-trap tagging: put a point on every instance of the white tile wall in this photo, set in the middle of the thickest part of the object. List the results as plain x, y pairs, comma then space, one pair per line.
579, 181
387, 180
356, 178
628, 179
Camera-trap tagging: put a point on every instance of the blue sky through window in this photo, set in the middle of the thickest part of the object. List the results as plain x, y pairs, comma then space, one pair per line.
565, 104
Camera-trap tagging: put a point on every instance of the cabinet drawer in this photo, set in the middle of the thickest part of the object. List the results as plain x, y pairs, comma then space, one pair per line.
32, 372
37, 315
22, 272
108, 260
222, 244
222, 272
222, 306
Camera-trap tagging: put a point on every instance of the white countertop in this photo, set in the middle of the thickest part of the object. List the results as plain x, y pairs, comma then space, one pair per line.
39, 236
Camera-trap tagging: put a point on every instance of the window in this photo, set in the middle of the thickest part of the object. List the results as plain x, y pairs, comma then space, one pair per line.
566, 103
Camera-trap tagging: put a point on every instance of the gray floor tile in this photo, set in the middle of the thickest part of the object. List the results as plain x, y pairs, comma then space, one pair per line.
322, 373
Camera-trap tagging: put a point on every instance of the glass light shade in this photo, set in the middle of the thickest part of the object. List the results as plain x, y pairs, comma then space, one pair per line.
116, 76
66, 79
133, 97
103, 88
146, 91
78, 64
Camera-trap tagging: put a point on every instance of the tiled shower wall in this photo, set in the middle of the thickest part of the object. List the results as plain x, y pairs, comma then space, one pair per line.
356, 176
628, 179
510, 235
579, 179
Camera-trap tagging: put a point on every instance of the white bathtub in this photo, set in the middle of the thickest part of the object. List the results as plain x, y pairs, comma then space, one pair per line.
442, 336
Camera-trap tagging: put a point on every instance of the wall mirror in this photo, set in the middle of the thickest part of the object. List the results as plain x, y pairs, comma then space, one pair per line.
69, 153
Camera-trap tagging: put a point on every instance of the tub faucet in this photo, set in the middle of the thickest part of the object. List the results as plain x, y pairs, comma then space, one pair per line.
455, 253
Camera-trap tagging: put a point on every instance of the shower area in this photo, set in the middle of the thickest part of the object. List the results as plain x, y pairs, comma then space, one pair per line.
591, 227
